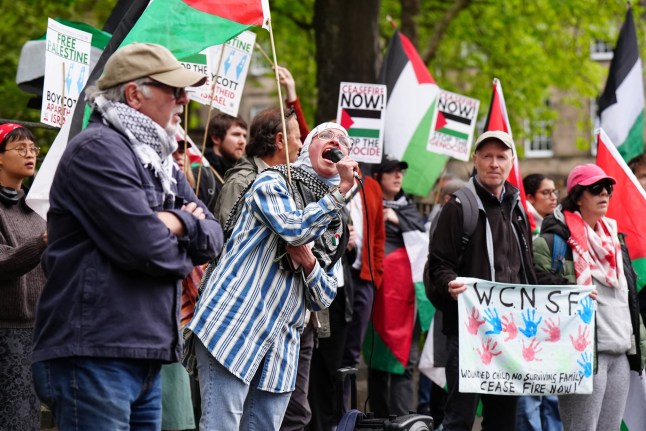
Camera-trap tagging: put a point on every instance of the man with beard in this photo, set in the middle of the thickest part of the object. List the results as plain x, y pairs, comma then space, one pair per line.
124, 229
228, 136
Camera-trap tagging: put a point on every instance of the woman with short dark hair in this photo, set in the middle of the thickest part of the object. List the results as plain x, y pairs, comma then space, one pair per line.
22, 241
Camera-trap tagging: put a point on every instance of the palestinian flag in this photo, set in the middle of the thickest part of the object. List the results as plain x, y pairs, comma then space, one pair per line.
409, 113
400, 299
621, 105
497, 119
364, 123
628, 203
187, 27
627, 207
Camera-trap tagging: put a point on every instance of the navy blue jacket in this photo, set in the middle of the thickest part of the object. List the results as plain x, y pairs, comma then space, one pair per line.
113, 268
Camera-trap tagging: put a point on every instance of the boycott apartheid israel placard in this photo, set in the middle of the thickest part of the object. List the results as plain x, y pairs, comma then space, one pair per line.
453, 125
518, 339
233, 68
362, 112
67, 67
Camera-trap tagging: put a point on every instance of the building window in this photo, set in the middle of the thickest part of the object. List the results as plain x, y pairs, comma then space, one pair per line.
601, 51
539, 140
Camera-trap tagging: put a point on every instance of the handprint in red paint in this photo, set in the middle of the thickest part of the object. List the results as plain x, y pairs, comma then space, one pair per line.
529, 352
581, 341
509, 326
473, 324
553, 330
488, 353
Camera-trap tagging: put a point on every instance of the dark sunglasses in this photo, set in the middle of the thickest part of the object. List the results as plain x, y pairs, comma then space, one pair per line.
177, 91
597, 188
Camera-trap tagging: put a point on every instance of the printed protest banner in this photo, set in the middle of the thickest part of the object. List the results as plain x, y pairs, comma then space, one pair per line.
361, 112
199, 63
231, 79
518, 339
67, 67
453, 125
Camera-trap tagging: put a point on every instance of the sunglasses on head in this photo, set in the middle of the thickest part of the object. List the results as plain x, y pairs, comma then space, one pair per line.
597, 188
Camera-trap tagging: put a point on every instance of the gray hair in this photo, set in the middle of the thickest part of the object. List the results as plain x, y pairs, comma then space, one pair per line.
451, 187
116, 93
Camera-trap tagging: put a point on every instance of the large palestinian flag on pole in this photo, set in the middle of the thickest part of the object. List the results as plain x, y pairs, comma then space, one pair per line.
621, 105
497, 119
627, 207
400, 299
187, 27
628, 203
409, 111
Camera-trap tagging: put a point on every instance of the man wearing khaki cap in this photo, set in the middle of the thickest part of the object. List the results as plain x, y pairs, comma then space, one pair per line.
124, 228
499, 249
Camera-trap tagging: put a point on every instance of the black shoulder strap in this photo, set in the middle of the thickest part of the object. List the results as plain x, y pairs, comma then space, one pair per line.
470, 210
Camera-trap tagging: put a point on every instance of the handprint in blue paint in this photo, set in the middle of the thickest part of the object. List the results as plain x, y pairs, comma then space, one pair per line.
586, 364
491, 316
587, 309
531, 326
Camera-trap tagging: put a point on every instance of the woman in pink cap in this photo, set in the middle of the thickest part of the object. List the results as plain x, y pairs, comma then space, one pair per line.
595, 253
22, 241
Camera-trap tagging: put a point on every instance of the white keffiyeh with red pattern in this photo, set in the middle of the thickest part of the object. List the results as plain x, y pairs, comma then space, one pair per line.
596, 251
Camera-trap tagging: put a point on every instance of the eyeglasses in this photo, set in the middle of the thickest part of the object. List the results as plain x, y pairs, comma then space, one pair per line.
22, 151
547, 193
177, 91
330, 136
597, 188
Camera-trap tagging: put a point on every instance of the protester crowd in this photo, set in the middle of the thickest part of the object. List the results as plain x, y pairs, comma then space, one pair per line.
165, 293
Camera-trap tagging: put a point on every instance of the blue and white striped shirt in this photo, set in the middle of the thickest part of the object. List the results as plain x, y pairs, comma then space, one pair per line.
250, 308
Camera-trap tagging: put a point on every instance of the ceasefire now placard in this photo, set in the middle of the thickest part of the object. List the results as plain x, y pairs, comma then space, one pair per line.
518, 339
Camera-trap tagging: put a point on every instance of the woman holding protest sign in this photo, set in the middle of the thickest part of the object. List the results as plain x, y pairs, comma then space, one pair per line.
22, 241
579, 245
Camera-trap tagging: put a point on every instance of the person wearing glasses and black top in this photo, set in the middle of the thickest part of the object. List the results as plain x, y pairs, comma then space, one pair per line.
22, 240
595, 254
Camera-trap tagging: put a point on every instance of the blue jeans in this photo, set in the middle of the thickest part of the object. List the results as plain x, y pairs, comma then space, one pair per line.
100, 394
228, 403
538, 413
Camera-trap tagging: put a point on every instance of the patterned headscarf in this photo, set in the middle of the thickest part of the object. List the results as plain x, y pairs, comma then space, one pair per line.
304, 160
7, 128
152, 144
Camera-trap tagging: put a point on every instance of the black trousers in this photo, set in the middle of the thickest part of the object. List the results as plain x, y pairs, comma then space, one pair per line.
298, 413
498, 413
326, 359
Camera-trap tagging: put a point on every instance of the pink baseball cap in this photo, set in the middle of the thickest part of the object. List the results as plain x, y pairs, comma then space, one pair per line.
585, 175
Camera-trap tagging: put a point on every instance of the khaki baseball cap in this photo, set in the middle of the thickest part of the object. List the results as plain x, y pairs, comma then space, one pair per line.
497, 135
139, 60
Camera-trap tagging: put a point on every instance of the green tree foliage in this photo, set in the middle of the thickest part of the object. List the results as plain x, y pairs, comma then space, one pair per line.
533, 47
24, 20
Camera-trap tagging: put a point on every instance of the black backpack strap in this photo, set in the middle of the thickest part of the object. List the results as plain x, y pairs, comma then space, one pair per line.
470, 212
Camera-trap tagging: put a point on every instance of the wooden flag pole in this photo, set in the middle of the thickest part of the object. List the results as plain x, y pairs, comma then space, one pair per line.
208, 119
63, 98
280, 99
264, 54
187, 166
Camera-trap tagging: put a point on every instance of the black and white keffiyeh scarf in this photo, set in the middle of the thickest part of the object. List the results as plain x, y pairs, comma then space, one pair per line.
152, 144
